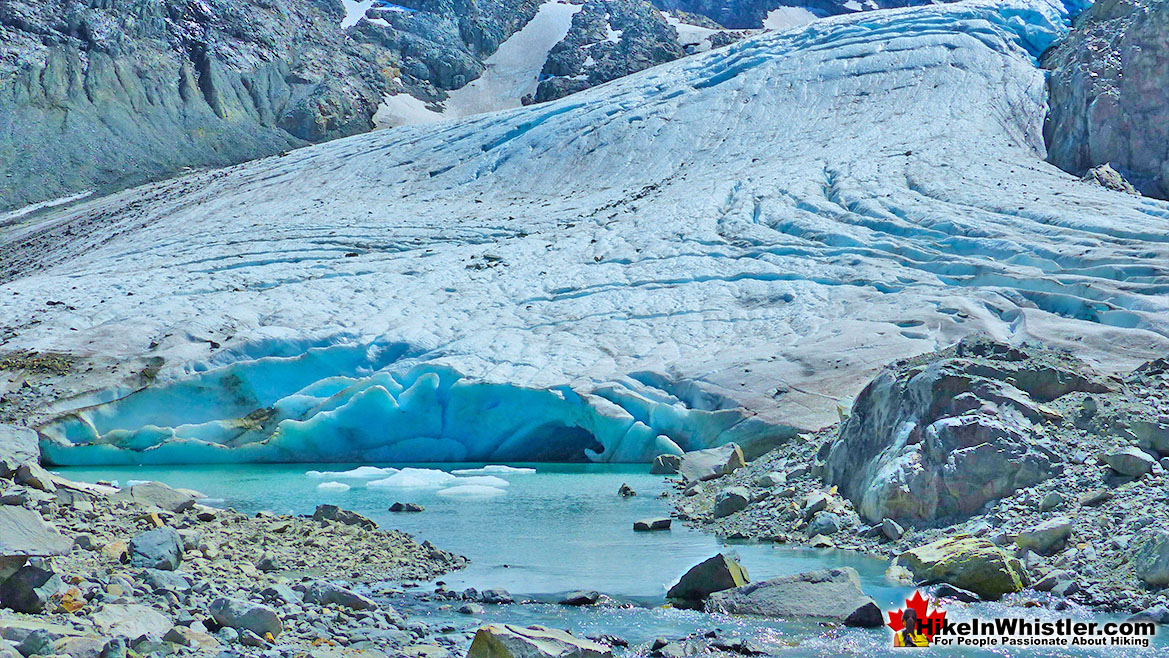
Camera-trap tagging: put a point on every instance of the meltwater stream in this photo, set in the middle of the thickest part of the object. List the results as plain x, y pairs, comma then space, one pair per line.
555, 528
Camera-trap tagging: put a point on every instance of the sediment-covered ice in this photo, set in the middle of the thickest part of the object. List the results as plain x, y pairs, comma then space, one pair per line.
472, 490
723, 248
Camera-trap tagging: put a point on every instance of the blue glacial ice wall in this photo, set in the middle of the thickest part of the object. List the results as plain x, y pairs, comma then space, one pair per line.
373, 403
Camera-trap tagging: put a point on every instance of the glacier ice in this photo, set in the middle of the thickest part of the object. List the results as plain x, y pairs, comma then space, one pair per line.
414, 478
332, 486
481, 480
494, 468
361, 472
472, 490
723, 248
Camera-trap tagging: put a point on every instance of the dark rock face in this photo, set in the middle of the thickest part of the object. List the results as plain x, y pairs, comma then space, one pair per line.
941, 436
608, 39
1109, 93
746, 14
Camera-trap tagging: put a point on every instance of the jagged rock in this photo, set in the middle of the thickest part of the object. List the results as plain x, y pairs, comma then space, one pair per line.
715, 574
30, 589
18, 446
245, 615
1106, 176
730, 501
157, 494
581, 597
507, 641
891, 529
34, 476
948, 591
941, 436
186, 637
406, 507
666, 464
769, 480
1158, 614
1130, 462
24, 534
825, 523
38, 642
646, 525
331, 594
269, 562
971, 563
161, 548
1047, 537
1150, 560
495, 595
1050, 580
334, 513
625, 491
131, 621
167, 581
1051, 501
1107, 93
702, 465
829, 594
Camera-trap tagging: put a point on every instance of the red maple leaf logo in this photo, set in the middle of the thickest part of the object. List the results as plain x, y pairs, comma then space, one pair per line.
930, 621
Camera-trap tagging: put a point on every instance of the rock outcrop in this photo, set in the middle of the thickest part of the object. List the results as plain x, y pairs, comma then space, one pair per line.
508, 641
970, 563
745, 14
942, 435
828, 594
1109, 93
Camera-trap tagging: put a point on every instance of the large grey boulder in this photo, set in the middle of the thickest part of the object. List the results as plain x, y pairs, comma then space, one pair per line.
1150, 558
1108, 98
1131, 462
943, 435
18, 446
666, 464
712, 575
24, 533
324, 593
131, 621
1047, 537
157, 494
161, 548
730, 501
828, 594
245, 615
701, 465
334, 513
30, 589
508, 641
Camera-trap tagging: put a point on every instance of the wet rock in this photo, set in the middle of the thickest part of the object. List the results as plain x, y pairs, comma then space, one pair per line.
1047, 537
131, 621
1130, 462
1150, 558
1158, 614
245, 615
406, 507
471, 609
161, 548
730, 501
331, 594
948, 591
581, 597
970, 563
30, 589
666, 464
507, 641
715, 574
702, 465
495, 595
829, 594
646, 525
334, 513
625, 491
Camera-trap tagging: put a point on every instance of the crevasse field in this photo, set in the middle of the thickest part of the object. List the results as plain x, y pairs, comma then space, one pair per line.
722, 248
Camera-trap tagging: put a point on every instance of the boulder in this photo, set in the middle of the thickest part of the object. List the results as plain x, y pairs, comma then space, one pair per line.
828, 594
30, 589
646, 525
1047, 537
32, 475
495, 595
666, 464
1158, 614
1150, 558
730, 501
891, 529
1130, 462
626, 491
769, 480
942, 438
581, 597
508, 641
1051, 501
334, 513
245, 615
161, 548
131, 621
825, 523
323, 593
715, 574
157, 494
18, 446
702, 465
407, 507
971, 563
815, 503
24, 534
187, 637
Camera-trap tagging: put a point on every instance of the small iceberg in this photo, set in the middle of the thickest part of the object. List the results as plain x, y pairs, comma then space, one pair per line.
361, 472
472, 490
482, 480
415, 478
332, 486
494, 468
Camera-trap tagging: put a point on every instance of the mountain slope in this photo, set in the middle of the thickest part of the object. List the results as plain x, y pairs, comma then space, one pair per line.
721, 248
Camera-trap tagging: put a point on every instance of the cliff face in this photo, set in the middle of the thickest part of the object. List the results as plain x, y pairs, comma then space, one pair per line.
1109, 90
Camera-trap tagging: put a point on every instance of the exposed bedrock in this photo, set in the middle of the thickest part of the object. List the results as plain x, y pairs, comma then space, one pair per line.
1109, 87
939, 437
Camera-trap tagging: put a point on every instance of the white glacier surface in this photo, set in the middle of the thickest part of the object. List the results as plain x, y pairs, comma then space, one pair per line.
723, 248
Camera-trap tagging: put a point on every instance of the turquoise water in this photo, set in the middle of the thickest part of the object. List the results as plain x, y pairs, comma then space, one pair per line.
559, 529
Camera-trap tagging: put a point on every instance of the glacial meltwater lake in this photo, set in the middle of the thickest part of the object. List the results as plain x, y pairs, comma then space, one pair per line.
560, 527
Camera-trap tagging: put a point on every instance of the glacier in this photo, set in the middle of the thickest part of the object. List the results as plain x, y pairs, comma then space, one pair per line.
723, 248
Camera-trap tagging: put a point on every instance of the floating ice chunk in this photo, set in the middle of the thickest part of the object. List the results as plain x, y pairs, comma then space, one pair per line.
472, 490
210, 501
482, 480
415, 477
359, 472
332, 486
493, 468
134, 483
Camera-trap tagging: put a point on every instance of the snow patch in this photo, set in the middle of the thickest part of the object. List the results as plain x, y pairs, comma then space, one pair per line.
788, 17
402, 109
355, 10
